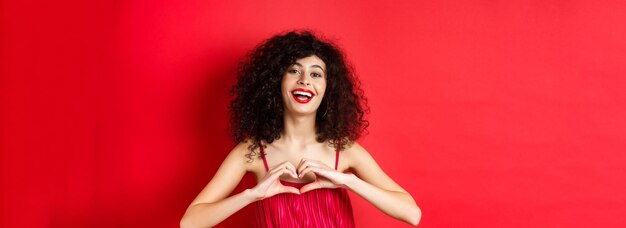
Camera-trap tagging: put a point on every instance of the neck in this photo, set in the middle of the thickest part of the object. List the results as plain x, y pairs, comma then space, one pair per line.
299, 129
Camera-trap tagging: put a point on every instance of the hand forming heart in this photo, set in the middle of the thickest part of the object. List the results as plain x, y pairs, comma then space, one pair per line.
325, 178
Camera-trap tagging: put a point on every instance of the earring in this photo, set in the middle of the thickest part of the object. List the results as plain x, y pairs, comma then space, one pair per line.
327, 107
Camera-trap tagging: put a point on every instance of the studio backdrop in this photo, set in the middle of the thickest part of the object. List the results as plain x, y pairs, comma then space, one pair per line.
490, 113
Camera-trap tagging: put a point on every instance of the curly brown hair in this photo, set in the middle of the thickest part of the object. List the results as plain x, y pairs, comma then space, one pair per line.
256, 111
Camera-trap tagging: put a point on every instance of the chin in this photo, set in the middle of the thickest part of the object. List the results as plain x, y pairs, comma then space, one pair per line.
302, 111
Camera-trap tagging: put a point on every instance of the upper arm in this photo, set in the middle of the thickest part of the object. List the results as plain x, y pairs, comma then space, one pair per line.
227, 177
365, 167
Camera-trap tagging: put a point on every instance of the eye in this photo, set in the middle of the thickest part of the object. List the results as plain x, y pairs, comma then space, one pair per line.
293, 71
316, 75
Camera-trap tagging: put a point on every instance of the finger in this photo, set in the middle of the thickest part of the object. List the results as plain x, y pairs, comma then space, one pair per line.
278, 173
279, 166
270, 178
275, 176
292, 169
307, 170
305, 164
316, 171
300, 163
277, 169
285, 165
310, 186
290, 189
312, 163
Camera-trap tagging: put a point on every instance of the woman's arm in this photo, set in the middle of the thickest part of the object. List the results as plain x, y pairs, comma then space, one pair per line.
370, 182
212, 207
374, 185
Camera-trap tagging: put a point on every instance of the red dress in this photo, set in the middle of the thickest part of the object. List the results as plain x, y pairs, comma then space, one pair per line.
326, 207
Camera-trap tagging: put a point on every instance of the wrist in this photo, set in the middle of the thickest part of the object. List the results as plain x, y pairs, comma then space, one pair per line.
252, 195
350, 180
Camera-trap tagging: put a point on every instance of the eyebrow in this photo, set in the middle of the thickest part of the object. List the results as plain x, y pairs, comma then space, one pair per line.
318, 66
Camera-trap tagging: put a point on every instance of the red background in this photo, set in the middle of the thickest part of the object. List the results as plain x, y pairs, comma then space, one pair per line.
490, 113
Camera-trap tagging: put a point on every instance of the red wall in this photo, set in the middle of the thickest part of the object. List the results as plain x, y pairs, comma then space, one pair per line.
490, 113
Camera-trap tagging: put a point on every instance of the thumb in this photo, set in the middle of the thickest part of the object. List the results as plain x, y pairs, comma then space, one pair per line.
289, 189
311, 186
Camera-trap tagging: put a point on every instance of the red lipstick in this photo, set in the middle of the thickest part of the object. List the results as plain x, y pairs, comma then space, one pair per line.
302, 95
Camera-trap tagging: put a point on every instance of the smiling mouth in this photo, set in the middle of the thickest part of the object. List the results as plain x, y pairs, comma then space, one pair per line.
302, 96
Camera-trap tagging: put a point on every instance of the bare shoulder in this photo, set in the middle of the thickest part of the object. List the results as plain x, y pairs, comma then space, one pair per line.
355, 147
363, 165
355, 155
228, 175
241, 148
242, 154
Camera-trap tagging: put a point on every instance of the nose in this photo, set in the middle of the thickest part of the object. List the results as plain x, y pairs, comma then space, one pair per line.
303, 80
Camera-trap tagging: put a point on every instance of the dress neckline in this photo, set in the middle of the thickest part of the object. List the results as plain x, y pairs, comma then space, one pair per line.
263, 155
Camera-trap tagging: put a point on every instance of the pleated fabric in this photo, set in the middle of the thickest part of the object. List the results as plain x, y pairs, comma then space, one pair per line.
326, 207
316, 208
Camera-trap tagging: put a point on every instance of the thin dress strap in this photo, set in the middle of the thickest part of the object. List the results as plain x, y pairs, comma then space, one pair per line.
337, 154
263, 156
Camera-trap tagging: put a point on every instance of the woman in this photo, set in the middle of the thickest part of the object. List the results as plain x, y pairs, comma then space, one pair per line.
296, 115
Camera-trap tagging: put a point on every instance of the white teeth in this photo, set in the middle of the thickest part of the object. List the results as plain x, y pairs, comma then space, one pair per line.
302, 93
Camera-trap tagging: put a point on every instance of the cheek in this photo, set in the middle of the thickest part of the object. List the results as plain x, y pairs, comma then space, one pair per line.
321, 89
283, 84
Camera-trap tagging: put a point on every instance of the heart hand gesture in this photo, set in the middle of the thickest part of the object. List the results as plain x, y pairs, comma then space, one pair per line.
325, 176
270, 184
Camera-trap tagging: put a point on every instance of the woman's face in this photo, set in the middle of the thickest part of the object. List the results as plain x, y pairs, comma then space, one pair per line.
303, 85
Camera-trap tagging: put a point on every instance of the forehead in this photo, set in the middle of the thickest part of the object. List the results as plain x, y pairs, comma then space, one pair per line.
310, 61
